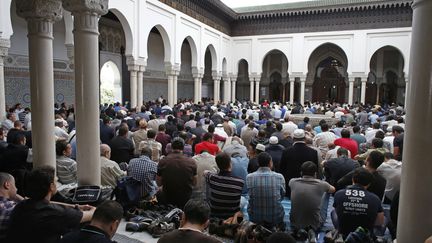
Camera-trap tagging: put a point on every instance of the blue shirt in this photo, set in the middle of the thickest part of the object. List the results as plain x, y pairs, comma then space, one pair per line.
239, 169
266, 191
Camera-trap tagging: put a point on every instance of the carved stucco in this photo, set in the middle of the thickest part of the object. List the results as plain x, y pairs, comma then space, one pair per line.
49, 10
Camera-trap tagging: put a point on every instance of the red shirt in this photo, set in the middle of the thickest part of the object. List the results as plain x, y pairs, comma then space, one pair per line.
209, 147
348, 144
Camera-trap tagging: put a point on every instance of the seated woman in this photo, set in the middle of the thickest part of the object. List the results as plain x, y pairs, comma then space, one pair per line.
66, 167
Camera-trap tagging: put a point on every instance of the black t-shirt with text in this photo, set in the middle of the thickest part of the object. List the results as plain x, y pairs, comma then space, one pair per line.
356, 207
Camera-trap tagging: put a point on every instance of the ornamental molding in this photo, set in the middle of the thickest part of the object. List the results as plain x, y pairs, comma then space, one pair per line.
48, 10
99, 7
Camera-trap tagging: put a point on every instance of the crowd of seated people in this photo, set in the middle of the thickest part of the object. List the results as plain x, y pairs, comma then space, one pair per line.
226, 158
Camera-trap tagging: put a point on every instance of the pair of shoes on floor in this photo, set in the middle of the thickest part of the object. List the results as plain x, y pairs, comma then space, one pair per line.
137, 227
160, 227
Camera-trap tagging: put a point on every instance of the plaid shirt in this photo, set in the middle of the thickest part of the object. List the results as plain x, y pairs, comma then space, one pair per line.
145, 170
266, 191
6, 207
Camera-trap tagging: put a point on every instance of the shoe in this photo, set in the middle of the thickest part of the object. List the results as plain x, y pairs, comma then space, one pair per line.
136, 227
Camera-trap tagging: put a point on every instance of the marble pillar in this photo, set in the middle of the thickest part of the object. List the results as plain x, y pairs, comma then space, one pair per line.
406, 92
216, 89
133, 70
291, 97
227, 89
351, 90
171, 90
302, 90
363, 91
140, 89
251, 91
40, 17
4, 47
415, 221
233, 88
257, 90
86, 40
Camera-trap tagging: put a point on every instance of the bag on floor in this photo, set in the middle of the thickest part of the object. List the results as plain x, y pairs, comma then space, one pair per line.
127, 192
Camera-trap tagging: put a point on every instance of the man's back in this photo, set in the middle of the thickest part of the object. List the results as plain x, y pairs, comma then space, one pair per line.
106, 133
306, 194
122, 149
293, 158
177, 172
266, 191
224, 193
40, 221
356, 207
187, 235
88, 234
144, 170
335, 169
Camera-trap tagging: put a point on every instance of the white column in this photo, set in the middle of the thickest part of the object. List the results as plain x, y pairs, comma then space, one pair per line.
171, 90
197, 88
415, 221
302, 89
133, 70
406, 93
291, 91
175, 91
40, 18
227, 89
257, 90
86, 39
172, 72
363, 90
216, 88
251, 93
233, 88
4, 47
351, 90
140, 90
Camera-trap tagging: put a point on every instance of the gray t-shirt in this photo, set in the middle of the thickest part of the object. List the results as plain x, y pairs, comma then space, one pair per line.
306, 195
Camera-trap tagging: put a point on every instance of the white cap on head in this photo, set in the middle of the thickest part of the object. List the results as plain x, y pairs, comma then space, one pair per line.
273, 140
299, 133
260, 147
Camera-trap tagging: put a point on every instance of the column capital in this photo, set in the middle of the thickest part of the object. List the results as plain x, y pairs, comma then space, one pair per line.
351, 79
172, 69
4, 49
99, 7
216, 75
197, 72
255, 77
47, 10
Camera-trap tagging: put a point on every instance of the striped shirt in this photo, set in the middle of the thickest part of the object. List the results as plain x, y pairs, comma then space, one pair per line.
66, 170
224, 192
266, 191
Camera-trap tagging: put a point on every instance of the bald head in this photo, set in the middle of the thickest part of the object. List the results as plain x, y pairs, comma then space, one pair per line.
105, 150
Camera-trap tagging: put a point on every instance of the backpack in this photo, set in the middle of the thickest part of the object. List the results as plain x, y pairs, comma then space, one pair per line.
127, 192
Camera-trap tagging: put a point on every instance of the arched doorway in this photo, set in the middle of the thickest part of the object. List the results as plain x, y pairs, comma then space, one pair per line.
113, 69
274, 74
210, 63
155, 78
275, 87
387, 65
243, 85
388, 90
110, 85
327, 74
329, 84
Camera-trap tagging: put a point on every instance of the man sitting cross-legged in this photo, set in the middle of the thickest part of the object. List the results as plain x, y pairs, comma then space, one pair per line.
266, 191
37, 219
355, 206
195, 220
224, 189
102, 227
306, 195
